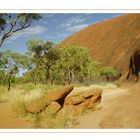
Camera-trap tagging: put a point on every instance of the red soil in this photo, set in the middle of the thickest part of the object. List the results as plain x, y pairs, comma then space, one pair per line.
9, 120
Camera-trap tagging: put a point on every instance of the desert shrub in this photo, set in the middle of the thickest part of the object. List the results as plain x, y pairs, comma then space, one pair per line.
109, 72
21, 99
19, 106
64, 120
22, 95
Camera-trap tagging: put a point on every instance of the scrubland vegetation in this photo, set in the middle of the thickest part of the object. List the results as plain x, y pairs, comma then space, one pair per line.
22, 94
45, 66
46, 63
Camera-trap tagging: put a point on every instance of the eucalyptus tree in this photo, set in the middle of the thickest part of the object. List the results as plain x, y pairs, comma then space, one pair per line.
74, 62
12, 23
45, 56
10, 64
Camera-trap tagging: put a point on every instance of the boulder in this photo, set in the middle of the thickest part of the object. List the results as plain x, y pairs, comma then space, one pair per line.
90, 93
56, 95
85, 96
83, 100
86, 104
74, 100
70, 110
93, 101
78, 103
37, 105
52, 108
59, 94
96, 97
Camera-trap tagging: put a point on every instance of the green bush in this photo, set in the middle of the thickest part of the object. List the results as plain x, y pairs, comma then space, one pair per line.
109, 71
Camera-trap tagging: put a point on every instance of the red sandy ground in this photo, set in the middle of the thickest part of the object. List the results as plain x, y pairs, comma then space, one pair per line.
9, 120
119, 108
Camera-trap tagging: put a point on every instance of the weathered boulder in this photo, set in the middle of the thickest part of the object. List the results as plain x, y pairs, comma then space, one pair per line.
90, 93
59, 94
96, 97
52, 108
85, 96
56, 95
84, 100
93, 101
74, 100
37, 105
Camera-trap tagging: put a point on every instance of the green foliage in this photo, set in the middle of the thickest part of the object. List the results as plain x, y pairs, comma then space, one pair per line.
74, 62
2, 22
10, 64
27, 18
109, 71
49, 64
62, 64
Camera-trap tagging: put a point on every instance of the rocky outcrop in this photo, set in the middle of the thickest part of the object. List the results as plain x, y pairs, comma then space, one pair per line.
58, 100
86, 100
56, 95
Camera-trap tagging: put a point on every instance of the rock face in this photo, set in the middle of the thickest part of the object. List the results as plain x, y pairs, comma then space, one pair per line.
134, 65
111, 42
56, 95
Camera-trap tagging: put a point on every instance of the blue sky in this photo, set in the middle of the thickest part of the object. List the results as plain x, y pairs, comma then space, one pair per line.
53, 27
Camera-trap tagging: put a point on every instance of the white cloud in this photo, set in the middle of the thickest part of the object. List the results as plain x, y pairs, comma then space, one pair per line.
56, 36
73, 20
74, 24
77, 27
34, 30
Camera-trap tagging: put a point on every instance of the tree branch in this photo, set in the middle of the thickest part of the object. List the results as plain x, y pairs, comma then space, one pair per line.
12, 25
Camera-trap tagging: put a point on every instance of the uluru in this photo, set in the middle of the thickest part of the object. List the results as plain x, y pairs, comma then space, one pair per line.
113, 42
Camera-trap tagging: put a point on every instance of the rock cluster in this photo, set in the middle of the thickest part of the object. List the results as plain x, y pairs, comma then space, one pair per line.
58, 100
84, 100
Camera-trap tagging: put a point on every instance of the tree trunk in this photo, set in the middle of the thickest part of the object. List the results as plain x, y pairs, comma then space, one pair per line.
4, 79
1, 42
48, 78
9, 83
69, 77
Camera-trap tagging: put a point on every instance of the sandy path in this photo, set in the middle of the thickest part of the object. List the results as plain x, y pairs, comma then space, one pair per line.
9, 120
120, 108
